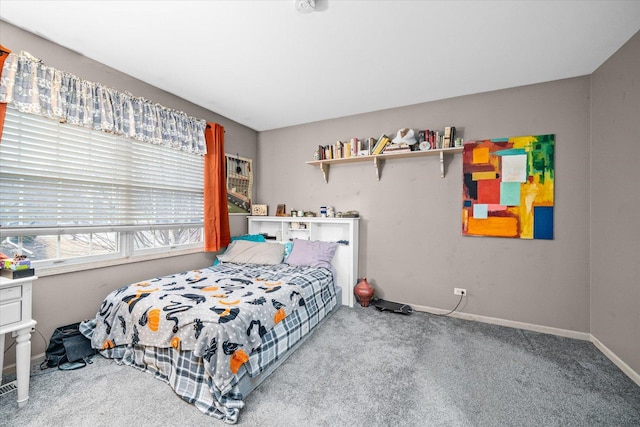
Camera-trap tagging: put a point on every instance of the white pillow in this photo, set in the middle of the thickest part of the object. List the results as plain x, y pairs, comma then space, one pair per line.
312, 253
247, 252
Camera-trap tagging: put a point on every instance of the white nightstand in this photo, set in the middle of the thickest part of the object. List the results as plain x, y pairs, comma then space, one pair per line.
15, 317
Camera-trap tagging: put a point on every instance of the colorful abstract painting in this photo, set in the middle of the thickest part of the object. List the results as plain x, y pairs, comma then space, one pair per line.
508, 187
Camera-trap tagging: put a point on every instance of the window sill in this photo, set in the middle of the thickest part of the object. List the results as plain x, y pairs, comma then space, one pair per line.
74, 267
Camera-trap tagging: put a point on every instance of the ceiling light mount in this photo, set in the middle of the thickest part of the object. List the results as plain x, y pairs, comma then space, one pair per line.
305, 6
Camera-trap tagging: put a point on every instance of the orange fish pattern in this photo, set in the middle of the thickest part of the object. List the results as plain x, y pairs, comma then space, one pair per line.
219, 314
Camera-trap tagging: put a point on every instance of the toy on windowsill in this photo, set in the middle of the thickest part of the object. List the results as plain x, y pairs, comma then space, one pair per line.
17, 267
18, 262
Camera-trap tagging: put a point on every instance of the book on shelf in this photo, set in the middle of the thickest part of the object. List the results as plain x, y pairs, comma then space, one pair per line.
449, 137
431, 137
383, 141
328, 152
396, 148
365, 145
355, 145
372, 146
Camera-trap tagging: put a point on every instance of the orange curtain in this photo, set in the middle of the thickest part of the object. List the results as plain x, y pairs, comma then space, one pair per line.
216, 211
4, 52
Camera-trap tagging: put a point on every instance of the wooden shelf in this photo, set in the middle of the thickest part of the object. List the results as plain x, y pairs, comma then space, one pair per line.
378, 160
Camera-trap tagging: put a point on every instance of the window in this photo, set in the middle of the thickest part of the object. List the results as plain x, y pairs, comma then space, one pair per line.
70, 195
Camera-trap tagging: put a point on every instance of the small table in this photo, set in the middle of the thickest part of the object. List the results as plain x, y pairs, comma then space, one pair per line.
15, 317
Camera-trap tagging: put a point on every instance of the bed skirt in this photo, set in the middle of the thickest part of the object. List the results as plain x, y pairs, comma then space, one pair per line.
187, 374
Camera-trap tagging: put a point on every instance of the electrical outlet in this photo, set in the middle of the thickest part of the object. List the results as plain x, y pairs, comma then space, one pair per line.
459, 291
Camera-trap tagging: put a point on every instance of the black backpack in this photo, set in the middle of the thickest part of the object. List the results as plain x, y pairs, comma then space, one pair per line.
68, 349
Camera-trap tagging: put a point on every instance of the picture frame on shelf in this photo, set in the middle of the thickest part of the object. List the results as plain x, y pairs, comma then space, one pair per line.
259, 210
281, 210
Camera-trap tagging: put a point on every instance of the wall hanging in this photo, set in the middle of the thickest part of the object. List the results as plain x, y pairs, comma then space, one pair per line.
508, 187
239, 183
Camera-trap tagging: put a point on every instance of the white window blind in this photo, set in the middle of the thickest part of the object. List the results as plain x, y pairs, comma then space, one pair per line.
58, 175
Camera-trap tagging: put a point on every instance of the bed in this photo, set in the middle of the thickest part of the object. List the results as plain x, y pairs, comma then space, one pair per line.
216, 333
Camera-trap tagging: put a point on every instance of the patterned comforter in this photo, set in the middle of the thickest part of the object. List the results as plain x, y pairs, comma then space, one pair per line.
222, 315
218, 315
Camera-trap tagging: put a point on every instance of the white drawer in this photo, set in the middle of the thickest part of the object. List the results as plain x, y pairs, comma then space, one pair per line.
13, 292
10, 313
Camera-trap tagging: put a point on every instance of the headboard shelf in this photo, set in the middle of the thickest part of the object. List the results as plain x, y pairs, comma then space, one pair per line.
341, 230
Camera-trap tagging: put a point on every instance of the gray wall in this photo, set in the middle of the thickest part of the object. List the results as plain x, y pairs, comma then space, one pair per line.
66, 298
587, 279
615, 203
411, 246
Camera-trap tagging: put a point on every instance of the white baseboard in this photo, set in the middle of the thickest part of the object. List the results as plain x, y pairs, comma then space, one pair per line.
35, 360
616, 360
585, 336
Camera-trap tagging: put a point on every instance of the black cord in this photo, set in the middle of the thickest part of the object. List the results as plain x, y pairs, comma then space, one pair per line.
39, 333
454, 308
46, 343
9, 348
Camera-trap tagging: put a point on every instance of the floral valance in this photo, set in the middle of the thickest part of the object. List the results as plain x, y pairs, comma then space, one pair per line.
33, 87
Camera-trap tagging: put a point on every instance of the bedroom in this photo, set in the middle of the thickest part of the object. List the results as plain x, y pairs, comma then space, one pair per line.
581, 284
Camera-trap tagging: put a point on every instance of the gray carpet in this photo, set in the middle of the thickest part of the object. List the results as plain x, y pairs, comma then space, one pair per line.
369, 368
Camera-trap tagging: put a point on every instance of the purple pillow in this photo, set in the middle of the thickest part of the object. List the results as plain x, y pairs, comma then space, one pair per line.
312, 253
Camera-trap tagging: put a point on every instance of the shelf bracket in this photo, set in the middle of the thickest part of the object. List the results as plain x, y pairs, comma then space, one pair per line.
324, 167
441, 164
378, 162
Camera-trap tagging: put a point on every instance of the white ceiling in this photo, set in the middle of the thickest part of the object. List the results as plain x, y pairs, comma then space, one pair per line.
267, 66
